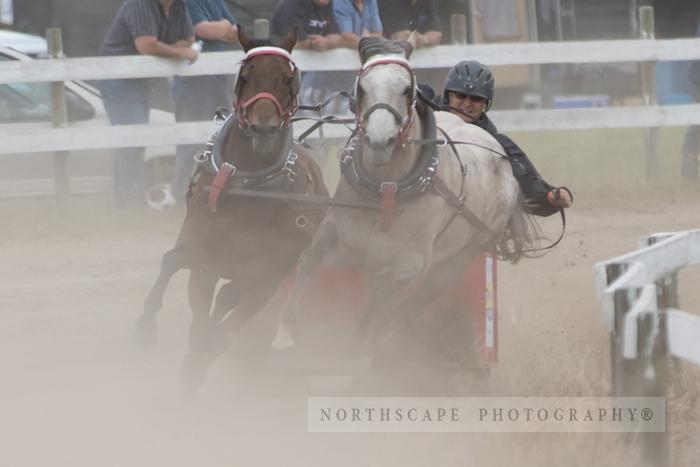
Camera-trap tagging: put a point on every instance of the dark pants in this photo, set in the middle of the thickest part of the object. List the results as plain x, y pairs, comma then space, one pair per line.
196, 99
689, 156
127, 103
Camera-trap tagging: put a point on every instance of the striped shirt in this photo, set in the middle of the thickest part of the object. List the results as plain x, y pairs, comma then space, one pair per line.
146, 18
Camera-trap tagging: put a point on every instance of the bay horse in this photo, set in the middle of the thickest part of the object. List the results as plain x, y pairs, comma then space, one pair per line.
230, 233
444, 188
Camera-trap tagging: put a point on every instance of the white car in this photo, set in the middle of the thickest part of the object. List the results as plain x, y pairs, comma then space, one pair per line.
34, 46
27, 106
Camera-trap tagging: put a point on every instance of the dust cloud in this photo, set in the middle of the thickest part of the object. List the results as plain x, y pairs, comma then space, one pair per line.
76, 391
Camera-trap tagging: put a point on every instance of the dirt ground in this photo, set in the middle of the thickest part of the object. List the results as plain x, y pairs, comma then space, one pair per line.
75, 391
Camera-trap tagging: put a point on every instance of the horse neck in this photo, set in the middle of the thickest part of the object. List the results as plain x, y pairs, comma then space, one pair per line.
238, 150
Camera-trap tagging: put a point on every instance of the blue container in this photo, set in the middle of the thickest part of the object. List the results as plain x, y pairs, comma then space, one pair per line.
672, 84
581, 102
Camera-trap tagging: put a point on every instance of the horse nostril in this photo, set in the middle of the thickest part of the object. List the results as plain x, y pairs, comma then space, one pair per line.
391, 141
264, 130
368, 141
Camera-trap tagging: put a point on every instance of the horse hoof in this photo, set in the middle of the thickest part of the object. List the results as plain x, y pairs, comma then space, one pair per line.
146, 333
283, 339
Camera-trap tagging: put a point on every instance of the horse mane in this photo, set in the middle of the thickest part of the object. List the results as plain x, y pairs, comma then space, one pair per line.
374, 45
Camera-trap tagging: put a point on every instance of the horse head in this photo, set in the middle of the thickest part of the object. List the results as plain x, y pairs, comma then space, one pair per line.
267, 89
385, 93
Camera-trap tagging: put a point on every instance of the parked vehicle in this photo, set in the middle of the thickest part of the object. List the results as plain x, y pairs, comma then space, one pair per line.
27, 106
34, 46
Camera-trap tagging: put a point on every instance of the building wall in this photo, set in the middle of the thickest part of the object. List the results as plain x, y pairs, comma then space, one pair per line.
676, 18
84, 22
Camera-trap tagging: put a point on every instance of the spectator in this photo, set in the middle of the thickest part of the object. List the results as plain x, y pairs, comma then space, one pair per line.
401, 18
357, 19
316, 30
197, 97
691, 142
316, 27
149, 27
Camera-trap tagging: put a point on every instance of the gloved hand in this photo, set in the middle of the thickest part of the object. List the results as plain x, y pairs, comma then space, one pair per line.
560, 197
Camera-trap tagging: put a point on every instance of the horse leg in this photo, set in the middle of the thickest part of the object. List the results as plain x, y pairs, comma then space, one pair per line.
395, 320
146, 327
385, 293
226, 300
441, 277
201, 288
253, 301
311, 258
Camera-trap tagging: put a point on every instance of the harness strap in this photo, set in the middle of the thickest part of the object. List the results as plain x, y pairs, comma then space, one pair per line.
388, 190
559, 239
318, 107
303, 198
448, 141
441, 188
220, 181
243, 106
318, 122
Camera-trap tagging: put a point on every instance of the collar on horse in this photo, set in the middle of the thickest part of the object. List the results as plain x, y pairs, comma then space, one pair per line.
390, 192
414, 183
276, 177
240, 108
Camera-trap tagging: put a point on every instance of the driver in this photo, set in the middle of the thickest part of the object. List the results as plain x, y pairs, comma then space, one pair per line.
469, 94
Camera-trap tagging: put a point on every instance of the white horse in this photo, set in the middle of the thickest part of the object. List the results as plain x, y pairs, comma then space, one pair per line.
440, 203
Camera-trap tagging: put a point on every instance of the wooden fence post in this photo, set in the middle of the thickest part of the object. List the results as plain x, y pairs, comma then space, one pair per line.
59, 119
261, 29
648, 71
458, 29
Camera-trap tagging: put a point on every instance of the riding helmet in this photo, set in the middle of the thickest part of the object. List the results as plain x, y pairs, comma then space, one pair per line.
471, 78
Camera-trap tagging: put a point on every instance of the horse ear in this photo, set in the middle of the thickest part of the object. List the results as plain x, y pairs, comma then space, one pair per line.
244, 40
407, 47
369, 46
290, 41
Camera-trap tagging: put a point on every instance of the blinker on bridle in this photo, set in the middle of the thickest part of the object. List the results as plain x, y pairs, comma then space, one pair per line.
241, 107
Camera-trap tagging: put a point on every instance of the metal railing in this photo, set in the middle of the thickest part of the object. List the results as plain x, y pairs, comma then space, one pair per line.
639, 293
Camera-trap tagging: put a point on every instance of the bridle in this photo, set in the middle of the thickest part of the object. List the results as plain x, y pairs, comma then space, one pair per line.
406, 122
241, 107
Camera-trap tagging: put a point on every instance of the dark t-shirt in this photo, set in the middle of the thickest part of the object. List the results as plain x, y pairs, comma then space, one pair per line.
307, 16
401, 15
146, 18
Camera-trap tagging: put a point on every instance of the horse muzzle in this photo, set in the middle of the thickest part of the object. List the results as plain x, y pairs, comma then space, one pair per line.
264, 137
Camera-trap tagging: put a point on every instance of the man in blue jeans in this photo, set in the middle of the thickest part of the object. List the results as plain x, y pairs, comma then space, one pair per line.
149, 27
197, 97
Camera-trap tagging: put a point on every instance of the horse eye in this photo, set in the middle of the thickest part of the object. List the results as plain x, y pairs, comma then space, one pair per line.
407, 91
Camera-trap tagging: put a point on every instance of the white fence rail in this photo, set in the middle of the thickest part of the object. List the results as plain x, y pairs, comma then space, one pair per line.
96, 68
526, 53
639, 292
639, 273
71, 139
